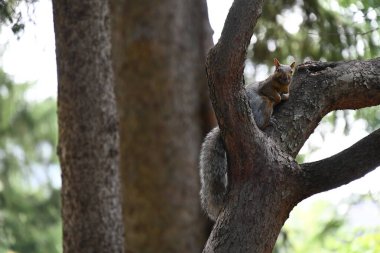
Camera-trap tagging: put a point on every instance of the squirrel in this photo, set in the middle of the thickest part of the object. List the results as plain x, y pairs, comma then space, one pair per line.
262, 97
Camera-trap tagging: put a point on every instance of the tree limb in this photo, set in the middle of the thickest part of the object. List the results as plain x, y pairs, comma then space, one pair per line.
225, 66
344, 167
321, 87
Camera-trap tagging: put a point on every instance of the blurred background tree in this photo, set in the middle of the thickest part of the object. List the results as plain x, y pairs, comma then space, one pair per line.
29, 194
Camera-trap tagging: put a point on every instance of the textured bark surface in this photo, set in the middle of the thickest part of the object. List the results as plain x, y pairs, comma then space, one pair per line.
88, 134
265, 182
317, 89
159, 54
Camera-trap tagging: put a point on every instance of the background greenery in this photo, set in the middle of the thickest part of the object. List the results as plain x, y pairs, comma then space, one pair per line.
29, 198
325, 30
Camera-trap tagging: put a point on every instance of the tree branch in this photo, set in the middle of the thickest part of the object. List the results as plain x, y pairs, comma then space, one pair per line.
225, 62
344, 167
321, 87
224, 66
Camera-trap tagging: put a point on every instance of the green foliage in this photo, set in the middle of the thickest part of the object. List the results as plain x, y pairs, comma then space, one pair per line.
327, 30
10, 16
371, 115
29, 201
322, 228
362, 241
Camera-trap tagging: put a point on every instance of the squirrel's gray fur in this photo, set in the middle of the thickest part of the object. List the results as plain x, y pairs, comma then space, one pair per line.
213, 172
213, 160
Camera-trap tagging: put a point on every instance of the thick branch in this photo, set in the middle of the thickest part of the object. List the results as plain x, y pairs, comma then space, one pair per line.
225, 65
230, 51
318, 88
343, 167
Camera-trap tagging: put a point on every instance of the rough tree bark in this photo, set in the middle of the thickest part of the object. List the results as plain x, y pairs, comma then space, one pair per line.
159, 50
88, 133
265, 182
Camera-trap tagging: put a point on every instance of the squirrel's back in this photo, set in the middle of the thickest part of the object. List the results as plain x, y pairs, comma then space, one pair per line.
261, 106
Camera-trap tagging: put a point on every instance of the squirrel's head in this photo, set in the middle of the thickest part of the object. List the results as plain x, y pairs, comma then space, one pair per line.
283, 73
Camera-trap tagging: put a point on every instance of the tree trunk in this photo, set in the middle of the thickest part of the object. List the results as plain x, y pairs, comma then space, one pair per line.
264, 180
88, 132
159, 53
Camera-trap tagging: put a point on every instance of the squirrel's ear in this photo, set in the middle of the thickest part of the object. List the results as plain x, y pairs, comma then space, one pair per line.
293, 65
276, 63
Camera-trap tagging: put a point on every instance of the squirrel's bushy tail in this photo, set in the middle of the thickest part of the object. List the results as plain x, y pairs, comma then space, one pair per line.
213, 169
